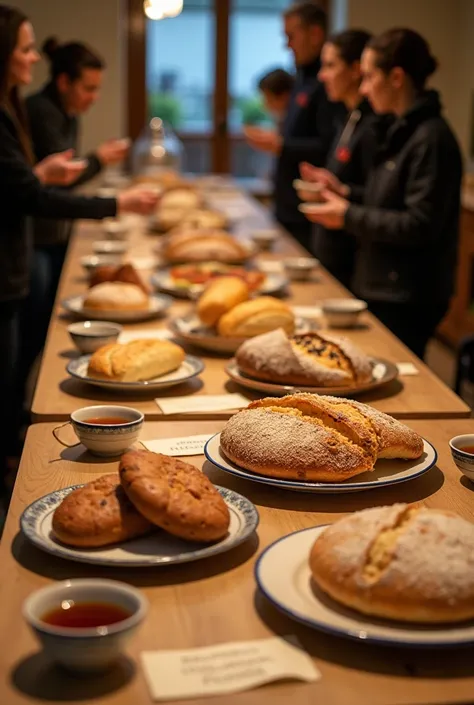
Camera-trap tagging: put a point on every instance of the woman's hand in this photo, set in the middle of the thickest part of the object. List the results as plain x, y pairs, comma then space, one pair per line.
138, 200
60, 169
324, 177
113, 151
329, 214
263, 140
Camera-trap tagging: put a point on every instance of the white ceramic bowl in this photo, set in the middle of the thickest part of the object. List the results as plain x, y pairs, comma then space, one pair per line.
463, 460
92, 649
107, 441
300, 268
108, 247
90, 262
89, 336
264, 239
115, 229
343, 313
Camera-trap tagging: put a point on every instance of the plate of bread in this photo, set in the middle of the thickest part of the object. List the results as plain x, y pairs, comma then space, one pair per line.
399, 575
312, 443
120, 302
156, 510
278, 363
139, 365
189, 245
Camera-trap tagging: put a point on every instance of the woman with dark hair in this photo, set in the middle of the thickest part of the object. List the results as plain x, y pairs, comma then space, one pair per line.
406, 227
351, 155
23, 194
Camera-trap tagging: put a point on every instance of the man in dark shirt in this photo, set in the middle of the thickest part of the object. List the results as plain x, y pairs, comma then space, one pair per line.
310, 124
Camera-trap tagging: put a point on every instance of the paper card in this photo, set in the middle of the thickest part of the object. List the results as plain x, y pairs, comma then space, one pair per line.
407, 369
226, 668
307, 311
190, 405
189, 445
146, 333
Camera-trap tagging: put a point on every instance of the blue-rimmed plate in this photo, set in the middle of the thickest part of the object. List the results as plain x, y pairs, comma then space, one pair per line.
293, 592
386, 472
157, 306
156, 549
189, 368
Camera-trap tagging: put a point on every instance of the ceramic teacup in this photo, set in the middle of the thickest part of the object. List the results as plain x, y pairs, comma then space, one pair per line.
89, 336
463, 459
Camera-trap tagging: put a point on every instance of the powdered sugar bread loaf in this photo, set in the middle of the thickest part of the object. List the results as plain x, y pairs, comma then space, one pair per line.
401, 562
312, 359
311, 437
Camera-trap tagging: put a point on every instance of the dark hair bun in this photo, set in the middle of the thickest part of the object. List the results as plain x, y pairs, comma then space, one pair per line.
50, 47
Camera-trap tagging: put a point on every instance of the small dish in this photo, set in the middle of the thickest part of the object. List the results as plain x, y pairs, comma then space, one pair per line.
90, 262
343, 313
89, 649
106, 439
463, 460
264, 239
300, 268
107, 247
115, 228
89, 336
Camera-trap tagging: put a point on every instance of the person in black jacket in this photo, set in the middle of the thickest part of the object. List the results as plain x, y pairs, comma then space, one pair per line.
407, 225
22, 194
350, 157
310, 124
276, 88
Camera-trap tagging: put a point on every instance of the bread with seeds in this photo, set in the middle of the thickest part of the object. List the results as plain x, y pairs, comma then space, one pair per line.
311, 359
406, 563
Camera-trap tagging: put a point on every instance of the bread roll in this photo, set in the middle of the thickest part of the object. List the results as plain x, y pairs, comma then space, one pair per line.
124, 273
312, 359
206, 246
180, 198
135, 361
308, 437
203, 218
111, 296
256, 317
411, 564
220, 296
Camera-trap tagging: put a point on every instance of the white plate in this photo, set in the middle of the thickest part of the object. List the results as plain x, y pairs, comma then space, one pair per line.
163, 281
191, 367
192, 331
157, 307
154, 549
386, 472
383, 372
293, 592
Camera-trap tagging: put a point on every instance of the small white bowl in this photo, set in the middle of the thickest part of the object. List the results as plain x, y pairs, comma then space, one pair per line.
343, 313
106, 441
107, 247
90, 649
90, 262
89, 336
300, 268
264, 239
115, 229
463, 460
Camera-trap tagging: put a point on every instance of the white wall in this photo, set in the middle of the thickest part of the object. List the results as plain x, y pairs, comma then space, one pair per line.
97, 23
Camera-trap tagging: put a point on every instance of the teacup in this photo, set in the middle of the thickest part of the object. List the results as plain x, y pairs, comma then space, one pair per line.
463, 458
300, 268
106, 431
343, 313
264, 239
89, 336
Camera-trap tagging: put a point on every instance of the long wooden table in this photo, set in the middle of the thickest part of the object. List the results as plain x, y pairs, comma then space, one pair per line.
57, 395
216, 601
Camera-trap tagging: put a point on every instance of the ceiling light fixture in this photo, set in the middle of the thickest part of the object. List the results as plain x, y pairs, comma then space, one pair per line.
162, 9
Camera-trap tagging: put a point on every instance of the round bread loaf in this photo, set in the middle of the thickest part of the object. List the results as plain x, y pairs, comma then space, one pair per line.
401, 562
312, 359
260, 315
120, 296
180, 198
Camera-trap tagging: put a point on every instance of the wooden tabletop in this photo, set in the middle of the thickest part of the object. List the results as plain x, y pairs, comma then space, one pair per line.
57, 395
216, 601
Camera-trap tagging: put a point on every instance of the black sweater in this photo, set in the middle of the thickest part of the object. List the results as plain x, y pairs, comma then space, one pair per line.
53, 130
407, 226
308, 132
21, 195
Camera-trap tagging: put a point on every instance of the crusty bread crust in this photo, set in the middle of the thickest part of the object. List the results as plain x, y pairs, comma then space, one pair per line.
220, 296
120, 296
136, 360
257, 316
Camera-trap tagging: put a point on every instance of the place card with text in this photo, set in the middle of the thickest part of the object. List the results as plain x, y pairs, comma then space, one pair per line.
206, 402
407, 369
188, 445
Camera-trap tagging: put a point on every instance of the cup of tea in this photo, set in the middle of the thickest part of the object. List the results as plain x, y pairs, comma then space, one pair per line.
462, 451
84, 624
106, 431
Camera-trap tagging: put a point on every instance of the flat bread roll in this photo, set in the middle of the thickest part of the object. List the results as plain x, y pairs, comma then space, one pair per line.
116, 296
138, 360
221, 295
401, 562
174, 495
311, 359
98, 514
205, 246
255, 317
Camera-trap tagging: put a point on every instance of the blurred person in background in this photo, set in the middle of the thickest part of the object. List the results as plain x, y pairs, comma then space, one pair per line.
276, 88
309, 127
23, 192
407, 224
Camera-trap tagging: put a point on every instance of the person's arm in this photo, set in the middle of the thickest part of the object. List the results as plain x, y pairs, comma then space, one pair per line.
430, 186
